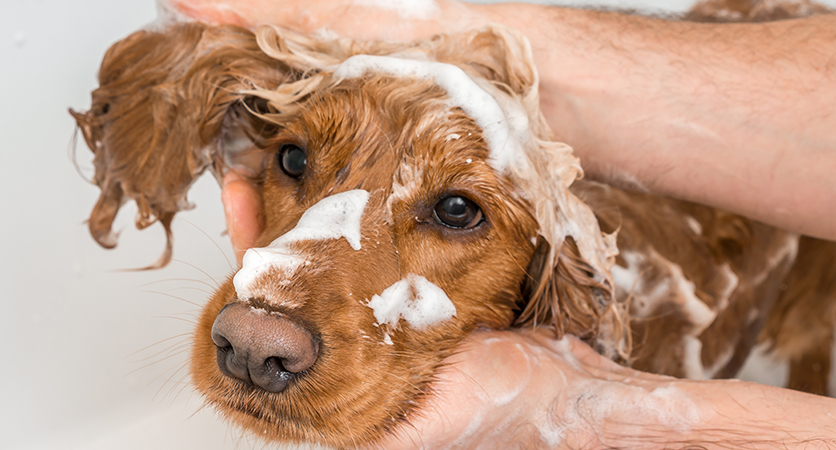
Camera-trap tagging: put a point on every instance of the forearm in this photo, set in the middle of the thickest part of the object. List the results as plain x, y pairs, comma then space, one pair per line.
737, 116
598, 404
525, 390
735, 414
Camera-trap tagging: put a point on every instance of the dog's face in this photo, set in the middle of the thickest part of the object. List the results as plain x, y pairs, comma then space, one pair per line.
402, 211
435, 219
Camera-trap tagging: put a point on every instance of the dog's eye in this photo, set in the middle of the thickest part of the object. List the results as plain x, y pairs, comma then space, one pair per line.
292, 159
457, 212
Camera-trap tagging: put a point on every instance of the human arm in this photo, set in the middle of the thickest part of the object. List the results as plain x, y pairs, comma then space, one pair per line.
522, 389
741, 117
736, 116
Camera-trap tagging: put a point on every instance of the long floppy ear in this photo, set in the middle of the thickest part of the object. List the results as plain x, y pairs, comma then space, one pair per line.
164, 100
567, 294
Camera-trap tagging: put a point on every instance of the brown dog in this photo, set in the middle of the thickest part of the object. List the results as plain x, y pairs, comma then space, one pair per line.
413, 193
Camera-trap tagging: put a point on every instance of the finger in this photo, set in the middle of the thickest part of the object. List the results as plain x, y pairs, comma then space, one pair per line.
205, 11
243, 212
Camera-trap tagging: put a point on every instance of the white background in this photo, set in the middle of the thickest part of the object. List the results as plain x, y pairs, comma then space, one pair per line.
75, 370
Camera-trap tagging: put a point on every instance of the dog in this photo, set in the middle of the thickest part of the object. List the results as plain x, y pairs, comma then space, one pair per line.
414, 193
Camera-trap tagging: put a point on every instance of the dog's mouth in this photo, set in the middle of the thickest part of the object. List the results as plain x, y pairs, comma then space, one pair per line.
266, 423
243, 408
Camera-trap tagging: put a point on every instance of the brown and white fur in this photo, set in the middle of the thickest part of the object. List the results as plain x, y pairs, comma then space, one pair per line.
688, 292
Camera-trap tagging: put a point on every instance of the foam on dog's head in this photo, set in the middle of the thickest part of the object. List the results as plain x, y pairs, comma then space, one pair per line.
504, 132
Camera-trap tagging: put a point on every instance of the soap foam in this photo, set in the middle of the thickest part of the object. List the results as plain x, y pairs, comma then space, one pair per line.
406, 9
334, 217
416, 300
503, 126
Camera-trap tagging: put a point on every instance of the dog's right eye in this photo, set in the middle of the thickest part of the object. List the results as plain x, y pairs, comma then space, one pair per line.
292, 159
457, 212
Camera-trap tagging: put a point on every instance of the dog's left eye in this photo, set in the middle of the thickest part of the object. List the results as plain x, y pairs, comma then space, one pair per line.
457, 212
292, 159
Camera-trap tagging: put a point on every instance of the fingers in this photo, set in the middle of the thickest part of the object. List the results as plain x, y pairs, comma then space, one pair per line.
357, 20
243, 212
204, 11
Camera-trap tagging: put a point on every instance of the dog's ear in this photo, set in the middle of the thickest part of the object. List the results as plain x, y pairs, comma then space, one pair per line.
570, 287
564, 290
156, 119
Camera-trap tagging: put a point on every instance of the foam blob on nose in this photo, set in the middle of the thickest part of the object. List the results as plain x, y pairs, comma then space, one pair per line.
334, 217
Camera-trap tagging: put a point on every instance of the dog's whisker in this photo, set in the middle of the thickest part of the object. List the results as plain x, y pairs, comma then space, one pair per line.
174, 370
181, 335
184, 382
226, 258
161, 360
174, 346
166, 294
217, 285
191, 322
192, 288
167, 280
192, 314
174, 385
199, 409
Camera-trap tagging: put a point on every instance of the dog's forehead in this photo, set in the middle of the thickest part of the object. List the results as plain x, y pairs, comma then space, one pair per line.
502, 119
374, 131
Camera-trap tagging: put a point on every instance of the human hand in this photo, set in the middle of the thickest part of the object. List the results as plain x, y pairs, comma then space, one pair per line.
524, 389
363, 20
243, 213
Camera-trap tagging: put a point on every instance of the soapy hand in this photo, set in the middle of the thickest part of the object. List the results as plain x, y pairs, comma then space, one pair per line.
523, 389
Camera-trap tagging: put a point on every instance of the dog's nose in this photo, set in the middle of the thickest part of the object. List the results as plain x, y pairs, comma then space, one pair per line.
263, 348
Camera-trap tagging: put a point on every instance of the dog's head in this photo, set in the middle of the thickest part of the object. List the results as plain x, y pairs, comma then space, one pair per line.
412, 193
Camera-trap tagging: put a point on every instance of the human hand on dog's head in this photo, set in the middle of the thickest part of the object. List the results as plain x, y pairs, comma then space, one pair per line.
402, 21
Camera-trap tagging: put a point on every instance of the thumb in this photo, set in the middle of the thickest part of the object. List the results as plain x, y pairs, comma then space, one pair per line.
243, 212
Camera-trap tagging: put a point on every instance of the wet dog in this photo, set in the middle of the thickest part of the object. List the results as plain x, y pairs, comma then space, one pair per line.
413, 193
